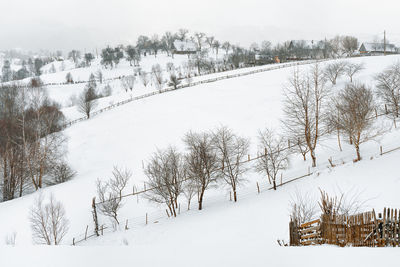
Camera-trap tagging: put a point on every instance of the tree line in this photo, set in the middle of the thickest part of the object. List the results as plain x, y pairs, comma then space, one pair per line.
32, 144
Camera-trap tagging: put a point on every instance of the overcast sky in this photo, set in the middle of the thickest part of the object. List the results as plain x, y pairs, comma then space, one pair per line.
66, 24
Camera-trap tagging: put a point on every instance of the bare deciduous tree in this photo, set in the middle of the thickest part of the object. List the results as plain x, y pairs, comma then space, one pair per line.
388, 88
48, 221
231, 152
165, 173
303, 208
144, 77
355, 105
128, 82
87, 101
334, 70
110, 192
157, 75
201, 162
304, 100
352, 69
174, 81
349, 45
274, 157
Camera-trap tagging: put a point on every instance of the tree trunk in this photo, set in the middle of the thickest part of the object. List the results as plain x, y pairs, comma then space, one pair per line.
338, 138
358, 152
274, 182
234, 195
201, 200
314, 159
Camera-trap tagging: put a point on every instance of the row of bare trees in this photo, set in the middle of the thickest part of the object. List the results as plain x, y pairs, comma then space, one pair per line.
32, 146
211, 159
312, 108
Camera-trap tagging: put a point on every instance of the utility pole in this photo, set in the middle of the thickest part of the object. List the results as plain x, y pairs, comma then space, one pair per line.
384, 43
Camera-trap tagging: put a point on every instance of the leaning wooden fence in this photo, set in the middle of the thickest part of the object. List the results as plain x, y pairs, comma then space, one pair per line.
360, 230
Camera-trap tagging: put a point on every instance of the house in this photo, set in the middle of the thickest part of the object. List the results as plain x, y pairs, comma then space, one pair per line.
184, 47
377, 49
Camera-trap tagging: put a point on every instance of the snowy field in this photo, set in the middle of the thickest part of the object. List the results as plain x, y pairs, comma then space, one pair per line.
224, 233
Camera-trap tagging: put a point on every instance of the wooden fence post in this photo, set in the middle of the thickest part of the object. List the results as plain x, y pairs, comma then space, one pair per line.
95, 218
230, 195
146, 218
258, 188
381, 150
73, 241
248, 157
87, 226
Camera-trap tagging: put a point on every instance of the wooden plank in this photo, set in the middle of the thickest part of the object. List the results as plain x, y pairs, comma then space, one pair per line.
309, 223
318, 234
309, 242
311, 229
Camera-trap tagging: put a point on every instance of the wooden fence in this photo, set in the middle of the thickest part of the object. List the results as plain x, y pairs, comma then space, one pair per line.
360, 230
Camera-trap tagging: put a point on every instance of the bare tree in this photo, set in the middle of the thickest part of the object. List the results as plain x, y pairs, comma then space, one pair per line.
210, 41
304, 101
48, 221
231, 152
128, 82
61, 172
165, 173
334, 70
355, 105
99, 76
189, 190
157, 75
69, 78
201, 162
274, 157
388, 88
199, 36
353, 68
182, 34
349, 45
226, 46
87, 101
10, 239
110, 192
174, 81
144, 77
303, 208
336, 48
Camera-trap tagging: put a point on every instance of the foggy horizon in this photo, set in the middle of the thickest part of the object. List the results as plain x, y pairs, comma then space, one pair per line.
73, 24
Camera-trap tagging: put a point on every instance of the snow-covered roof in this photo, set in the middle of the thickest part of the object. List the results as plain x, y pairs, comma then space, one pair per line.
185, 46
377, 47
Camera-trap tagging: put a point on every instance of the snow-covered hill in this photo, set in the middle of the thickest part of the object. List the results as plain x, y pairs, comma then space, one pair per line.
224, 233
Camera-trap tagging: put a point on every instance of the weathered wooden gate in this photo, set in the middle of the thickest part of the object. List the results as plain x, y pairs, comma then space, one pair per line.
360, 230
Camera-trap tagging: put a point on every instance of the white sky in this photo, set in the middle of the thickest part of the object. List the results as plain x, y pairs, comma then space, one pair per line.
66, 24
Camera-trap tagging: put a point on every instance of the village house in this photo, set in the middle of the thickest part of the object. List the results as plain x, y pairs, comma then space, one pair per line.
184, 47
377, 49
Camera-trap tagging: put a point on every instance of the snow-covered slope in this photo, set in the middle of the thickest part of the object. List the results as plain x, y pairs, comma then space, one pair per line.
233, 234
